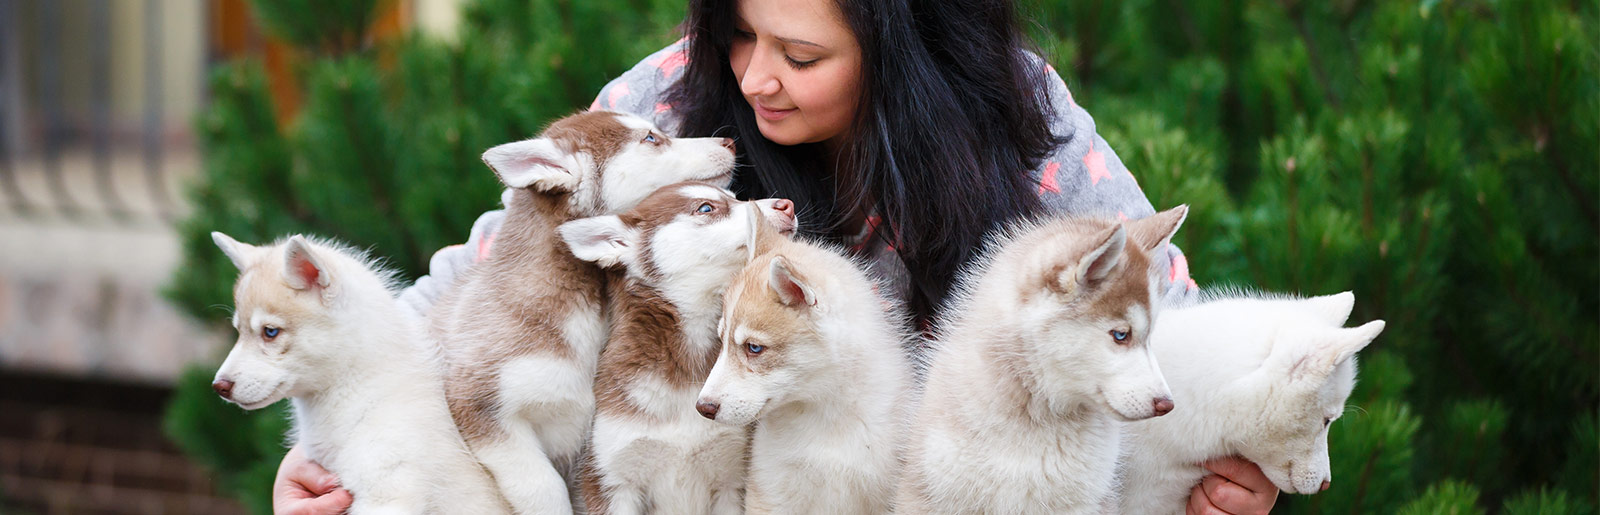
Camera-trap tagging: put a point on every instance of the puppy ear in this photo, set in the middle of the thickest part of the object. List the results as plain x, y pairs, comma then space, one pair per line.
755, 232
1156, 231
602, 240
1333, 309
242, 254
536, 163
1093, 267
791, 289
302, 269
1334, 347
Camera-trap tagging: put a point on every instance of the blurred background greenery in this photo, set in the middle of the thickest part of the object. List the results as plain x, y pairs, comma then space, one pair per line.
1438, 157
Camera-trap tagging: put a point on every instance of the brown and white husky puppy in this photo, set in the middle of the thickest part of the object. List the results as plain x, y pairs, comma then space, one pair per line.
521, 330
650, 451
817, 360
1045, 356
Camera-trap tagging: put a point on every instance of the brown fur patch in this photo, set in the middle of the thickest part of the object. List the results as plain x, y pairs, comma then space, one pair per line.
596, 133
647, 339
647, 333
514, 303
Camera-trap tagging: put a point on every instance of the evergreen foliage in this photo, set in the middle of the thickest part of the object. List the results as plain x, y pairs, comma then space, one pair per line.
1438, 157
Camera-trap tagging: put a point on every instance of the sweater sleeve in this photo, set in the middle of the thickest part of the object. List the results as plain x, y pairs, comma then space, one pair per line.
1083, 176
639, 91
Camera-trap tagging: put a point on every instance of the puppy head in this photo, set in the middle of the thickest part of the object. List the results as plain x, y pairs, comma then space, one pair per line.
285, 307
606, 162
1087, 297
771, 344
1313, 370
688, 235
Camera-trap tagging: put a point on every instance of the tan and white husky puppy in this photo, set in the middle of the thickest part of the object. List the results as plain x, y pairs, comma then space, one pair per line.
319, 324
1043, 357
522, 329
817, 359
650, 451
1259, 376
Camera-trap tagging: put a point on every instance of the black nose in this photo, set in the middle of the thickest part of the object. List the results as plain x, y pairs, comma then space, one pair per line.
1163, 406
224, 388
707, 410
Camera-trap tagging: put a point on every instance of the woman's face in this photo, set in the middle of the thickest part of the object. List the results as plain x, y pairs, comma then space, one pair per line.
798, 66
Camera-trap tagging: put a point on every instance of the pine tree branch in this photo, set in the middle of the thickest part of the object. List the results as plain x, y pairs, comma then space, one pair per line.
1297, 13
1180, 10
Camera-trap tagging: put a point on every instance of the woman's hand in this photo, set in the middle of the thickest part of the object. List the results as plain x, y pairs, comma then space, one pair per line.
1235, 487
305, 488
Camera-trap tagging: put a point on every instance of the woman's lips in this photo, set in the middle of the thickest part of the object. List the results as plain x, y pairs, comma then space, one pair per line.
771, 115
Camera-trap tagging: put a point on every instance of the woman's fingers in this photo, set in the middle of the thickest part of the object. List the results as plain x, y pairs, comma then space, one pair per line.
1199, 504
305, 488
1242, 472
1238, 487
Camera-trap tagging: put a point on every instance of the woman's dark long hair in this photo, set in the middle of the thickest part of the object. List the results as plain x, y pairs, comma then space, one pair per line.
953, 115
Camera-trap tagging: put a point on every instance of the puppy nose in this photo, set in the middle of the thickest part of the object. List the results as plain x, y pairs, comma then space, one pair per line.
224, 388
1163, 406
784, 206
707, 409
727, 143
1325, 485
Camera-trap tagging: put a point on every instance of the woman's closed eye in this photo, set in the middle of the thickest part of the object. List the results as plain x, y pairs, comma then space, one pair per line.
798, 64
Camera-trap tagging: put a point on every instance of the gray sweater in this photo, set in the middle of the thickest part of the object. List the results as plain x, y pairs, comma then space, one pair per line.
1082, 176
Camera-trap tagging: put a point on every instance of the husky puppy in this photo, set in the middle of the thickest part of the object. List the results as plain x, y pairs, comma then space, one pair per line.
1044, 356
522, 329
318, 324
1258, 377
816, 358
650, 452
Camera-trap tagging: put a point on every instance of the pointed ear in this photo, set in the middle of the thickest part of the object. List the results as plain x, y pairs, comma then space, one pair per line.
1334, 309
602, 240
1155, 231
791, 289
536, 163
242, 254
757, 221
1093, 267
301, 266
1333, 348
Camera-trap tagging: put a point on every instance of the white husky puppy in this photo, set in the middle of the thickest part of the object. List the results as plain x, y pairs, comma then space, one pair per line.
522, 330
816, 358
650, 452
319, 325
1257, 377
1044, 357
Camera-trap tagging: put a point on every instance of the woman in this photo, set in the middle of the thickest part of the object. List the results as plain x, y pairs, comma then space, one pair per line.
905, 130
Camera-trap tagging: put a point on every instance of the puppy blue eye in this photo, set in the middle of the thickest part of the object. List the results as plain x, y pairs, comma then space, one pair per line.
1119, 336
270, 332
705, 208
753, 348
651, 138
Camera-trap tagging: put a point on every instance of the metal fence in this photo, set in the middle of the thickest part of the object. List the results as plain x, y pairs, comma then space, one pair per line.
69, 155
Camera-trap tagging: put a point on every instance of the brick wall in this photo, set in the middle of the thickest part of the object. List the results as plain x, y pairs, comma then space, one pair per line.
81, 446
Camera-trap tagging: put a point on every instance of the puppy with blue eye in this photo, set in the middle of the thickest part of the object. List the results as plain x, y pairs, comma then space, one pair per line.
817, 360
319, 324
669, 260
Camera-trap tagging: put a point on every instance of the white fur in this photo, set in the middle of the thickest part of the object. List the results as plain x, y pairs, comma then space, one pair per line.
366, 391
670, 460
828, 420
1027, 392
1251, 376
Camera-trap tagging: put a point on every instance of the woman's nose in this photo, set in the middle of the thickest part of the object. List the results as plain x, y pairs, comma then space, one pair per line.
758, 78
